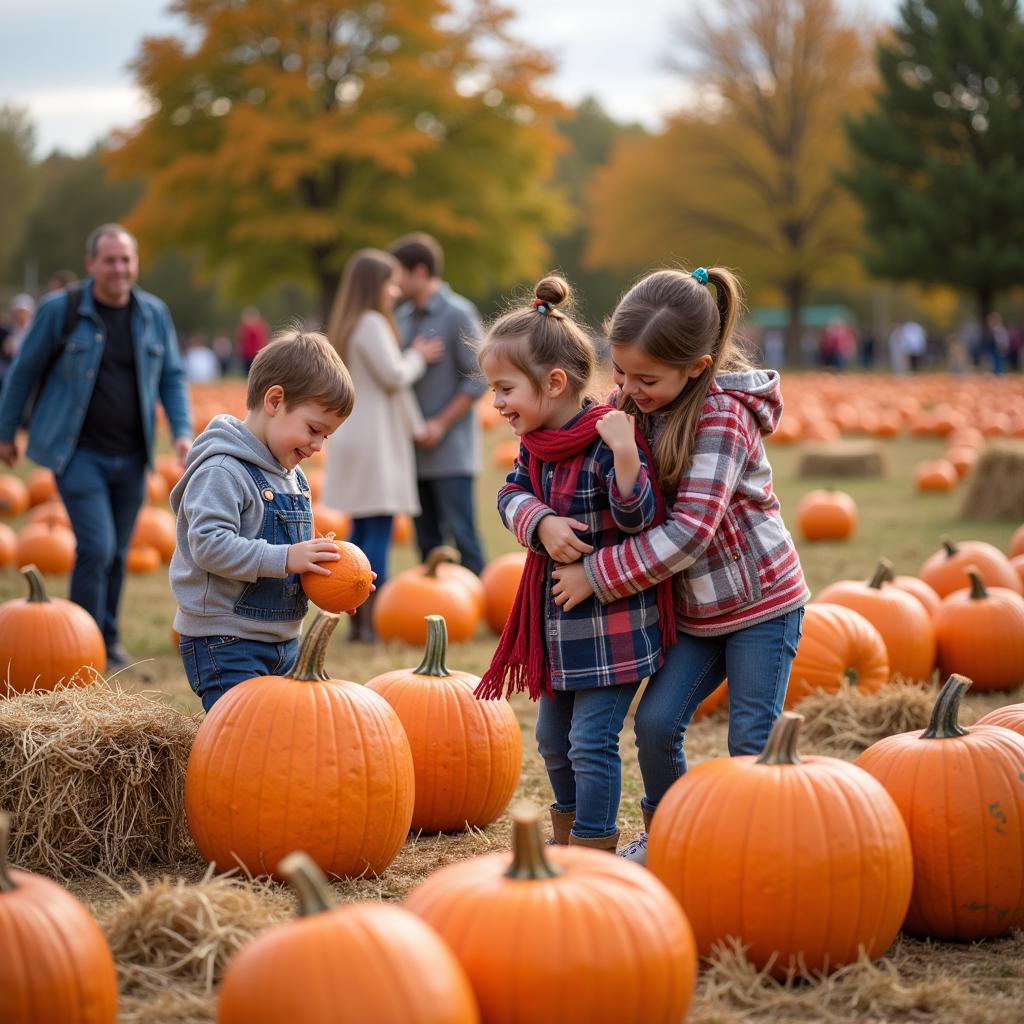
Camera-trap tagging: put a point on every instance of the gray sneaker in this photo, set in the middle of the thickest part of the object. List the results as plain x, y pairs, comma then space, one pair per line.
636, 851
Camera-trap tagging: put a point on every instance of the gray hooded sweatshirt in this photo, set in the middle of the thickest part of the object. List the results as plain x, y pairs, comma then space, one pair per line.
219, 511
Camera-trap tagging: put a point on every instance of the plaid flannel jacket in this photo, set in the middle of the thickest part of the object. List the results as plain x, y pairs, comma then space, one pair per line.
593, 644
734, 561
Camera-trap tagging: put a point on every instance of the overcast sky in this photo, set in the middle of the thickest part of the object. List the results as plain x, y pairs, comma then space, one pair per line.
67, 60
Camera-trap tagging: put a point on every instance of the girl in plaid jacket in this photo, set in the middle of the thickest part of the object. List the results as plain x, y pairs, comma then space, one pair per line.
739, 587
579, 484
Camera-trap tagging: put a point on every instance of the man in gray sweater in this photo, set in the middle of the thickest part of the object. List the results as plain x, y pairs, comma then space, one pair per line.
448, 457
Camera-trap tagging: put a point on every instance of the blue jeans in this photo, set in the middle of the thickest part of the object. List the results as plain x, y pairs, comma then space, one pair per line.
103, 495
447, 510
373, 535
214, 664
756, 660
578, 738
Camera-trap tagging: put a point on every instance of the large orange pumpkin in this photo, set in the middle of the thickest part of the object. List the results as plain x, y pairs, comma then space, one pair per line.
13, 496
980, 634
944, 571
500, 579
156, 528
839, 646
1010, 716
826, 515
301, 762
401, 607
562, 934
959, 791
801, 858
51, 549
46, 640
917, 588
902, 620
8, 546
466, 752
349, 584
57, 967
52, 512
354, 964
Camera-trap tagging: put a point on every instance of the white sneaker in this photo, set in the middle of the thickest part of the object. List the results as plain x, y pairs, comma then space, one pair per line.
636, 851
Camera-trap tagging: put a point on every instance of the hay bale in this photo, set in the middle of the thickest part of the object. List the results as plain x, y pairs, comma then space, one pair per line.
172, 941
93, 779
847, 722
996, 489
842, 459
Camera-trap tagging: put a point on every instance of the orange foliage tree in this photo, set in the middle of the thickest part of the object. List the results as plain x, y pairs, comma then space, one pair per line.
746, 176
285, 134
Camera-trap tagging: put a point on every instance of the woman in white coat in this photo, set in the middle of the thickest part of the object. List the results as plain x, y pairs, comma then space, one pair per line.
371, 463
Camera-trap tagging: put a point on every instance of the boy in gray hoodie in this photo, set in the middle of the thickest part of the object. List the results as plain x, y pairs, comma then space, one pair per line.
244, 520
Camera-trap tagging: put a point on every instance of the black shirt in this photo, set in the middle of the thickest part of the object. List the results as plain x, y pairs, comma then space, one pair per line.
113, 421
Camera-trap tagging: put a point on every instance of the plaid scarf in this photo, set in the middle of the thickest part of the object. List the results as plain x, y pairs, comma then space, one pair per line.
520, 660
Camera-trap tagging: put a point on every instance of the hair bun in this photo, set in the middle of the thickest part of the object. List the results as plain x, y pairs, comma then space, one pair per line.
552, 290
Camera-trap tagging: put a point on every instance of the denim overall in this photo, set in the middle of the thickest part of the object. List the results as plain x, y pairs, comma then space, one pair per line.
214, 664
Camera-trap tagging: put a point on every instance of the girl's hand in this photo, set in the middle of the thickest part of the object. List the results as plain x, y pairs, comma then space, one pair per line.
571, 586
617, 430
304, 556
557, 534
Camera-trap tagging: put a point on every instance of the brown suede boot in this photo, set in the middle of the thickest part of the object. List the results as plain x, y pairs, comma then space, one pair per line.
367, 634
597, 843
561, 824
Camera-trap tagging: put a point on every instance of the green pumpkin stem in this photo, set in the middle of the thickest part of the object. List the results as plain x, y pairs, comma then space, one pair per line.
978, 591
883, 574
945, 724
6, 882
436, 649
309, 665
437, 555
309, 883
781, 745
36, 588
949, 544
528, 861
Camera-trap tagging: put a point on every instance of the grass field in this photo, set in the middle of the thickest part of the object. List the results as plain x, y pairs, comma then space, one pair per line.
917, 981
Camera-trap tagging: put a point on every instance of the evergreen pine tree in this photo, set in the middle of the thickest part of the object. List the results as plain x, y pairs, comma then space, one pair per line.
939, 160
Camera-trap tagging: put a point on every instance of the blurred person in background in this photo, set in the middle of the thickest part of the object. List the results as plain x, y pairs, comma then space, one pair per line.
253, 334
22, 309
201, 364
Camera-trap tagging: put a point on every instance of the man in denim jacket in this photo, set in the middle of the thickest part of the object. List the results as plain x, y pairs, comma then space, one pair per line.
95, 415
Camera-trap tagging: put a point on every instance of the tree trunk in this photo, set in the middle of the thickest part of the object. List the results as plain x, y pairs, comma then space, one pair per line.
793, 289
328, 280
984, 296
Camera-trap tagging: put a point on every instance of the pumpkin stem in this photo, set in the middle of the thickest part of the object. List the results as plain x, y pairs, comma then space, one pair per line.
36, 588
309, 665
949, 544
6, 882
436, 556
853, 677
436, 649
309, 883
528, 861
978, 591
781, 745
944, 724
882, 574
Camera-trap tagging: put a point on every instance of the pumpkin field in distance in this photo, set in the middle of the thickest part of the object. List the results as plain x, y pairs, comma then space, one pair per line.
905, 586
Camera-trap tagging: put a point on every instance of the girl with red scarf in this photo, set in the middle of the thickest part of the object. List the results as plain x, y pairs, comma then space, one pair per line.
580, 483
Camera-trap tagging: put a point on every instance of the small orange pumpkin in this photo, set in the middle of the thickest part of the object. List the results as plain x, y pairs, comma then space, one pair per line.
402, 529
50, 548
944, 571
980, 634
58, 966
505, 453
13, 496
466, 752
170, 468
42, 486
719, 844
826, 515
1010, 716
142, 558
839, 646
935, 476
500, 579
329, 520
565, 900
349, 583
156, 489
52, 512
959, 791
8, 546
156, 528
47, 640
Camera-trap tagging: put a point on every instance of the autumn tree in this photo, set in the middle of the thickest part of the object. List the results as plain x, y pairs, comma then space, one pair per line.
17, 141
285, 134
746, 175
939, 157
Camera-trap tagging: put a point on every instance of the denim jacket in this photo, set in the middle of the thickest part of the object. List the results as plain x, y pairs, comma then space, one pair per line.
61, 406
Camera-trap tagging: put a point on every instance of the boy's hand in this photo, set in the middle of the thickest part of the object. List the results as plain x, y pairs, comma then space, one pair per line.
304, 556
557, 534
617, 430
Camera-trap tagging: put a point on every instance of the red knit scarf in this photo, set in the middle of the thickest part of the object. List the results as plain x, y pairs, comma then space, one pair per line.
520, 660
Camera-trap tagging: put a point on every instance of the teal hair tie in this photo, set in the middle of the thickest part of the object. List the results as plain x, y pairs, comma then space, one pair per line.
701, 274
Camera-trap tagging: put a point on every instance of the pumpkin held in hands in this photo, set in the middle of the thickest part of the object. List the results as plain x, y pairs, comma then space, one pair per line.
349, 583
